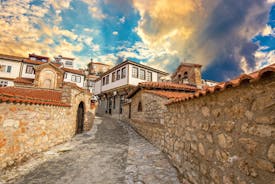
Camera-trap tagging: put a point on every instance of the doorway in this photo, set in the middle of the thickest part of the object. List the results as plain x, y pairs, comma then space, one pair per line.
80, 118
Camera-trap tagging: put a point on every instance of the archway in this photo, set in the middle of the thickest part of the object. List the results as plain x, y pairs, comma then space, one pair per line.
80, 118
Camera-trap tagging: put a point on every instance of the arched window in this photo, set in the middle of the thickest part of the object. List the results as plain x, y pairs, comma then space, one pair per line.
139, 107
185, 78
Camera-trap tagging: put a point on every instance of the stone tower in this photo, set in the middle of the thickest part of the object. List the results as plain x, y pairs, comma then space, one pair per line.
188, 73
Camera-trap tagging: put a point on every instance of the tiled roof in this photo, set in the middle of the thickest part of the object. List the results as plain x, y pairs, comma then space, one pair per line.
167, 85
10, 57
39, 56
31, 96
168, 94
79, 72
255, 76
33, 62
23, 80
162, 86
98, 63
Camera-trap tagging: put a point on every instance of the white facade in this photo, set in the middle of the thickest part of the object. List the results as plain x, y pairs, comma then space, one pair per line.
9, 70
97, 87
134, 74
28, 71
74, 78
67, 63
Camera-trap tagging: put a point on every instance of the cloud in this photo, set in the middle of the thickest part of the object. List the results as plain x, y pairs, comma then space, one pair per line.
25, 30
209, 32
268, 30
95, 9
122, 20
115, 33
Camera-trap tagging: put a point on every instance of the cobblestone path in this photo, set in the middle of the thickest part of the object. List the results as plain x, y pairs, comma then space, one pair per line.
111, 153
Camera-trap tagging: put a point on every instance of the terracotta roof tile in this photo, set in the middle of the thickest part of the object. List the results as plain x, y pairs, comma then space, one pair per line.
33, 62
79, 72
167, 85
10, 57
31, 96
162, 86
169, 94
255, 76
23, 80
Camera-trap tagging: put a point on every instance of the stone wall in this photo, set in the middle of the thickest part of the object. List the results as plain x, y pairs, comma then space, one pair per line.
149, 122
26, 129
225, 137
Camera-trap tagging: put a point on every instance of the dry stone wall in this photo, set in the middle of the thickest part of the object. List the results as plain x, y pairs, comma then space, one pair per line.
28, 129
225, 137
149, 122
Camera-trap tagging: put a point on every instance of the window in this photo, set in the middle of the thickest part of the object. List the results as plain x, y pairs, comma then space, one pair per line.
142, 74
76, 78
107, 79
113, 76
5, 68
3, 83
90, 83
185, 75
103, 81
65, 76
149, 76
29, 69
140, 107
135, 72
123, 72
69, 63
118, 75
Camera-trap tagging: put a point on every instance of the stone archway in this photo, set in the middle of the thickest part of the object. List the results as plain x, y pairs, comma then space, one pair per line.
80, 118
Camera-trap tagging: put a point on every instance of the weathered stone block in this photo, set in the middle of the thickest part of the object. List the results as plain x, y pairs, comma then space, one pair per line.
271, 153
205, 111
248, 144
225, 141
201, 149
11, 123
265, 165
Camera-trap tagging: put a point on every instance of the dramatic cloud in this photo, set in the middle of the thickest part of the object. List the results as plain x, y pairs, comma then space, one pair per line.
210, 32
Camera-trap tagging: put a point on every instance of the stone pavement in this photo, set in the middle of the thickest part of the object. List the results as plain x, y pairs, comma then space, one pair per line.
111, 153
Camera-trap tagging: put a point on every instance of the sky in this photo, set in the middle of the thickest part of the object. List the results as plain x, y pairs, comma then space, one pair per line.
227, 37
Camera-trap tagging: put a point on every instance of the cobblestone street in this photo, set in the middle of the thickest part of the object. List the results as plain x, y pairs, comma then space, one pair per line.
112, 152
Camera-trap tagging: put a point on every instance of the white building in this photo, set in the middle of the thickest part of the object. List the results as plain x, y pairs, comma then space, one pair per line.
66, 62
115, 84
74, 76
10, 67
20, 71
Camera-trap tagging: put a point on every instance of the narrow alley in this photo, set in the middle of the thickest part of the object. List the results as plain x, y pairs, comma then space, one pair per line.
111, 153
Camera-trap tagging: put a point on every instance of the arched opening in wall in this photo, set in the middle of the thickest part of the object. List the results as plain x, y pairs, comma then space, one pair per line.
47, 83
140, 107
185, 78
80, 118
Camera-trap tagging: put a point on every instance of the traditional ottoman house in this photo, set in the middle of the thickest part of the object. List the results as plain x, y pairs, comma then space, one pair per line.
10, 67
114, 85
41, 114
